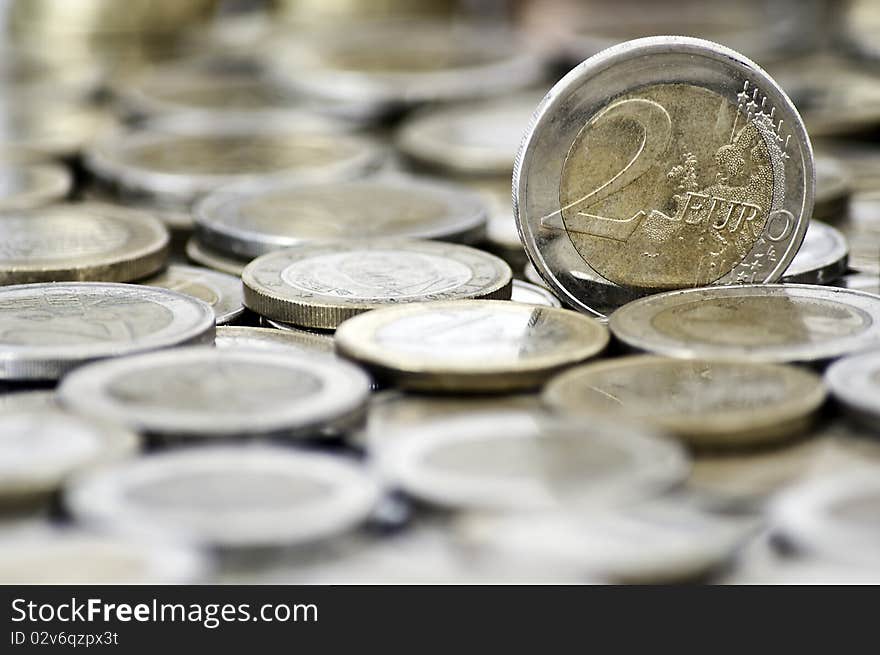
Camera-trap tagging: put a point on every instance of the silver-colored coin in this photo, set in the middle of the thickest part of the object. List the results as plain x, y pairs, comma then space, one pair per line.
24, 186
247, 224
867, 282
51, 556
28, 401
228, 497
832, 189
200, 254
701, 177
270, 339
756, 323
45, 127
87, 241
822, 257
527, 461
862, 232
533, 294
322, 283
502, 237
48, 329
210, 394
469, 345
220, 290
855, 382
41, 449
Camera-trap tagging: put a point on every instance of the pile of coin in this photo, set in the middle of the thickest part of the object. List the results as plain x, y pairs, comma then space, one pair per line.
269, 311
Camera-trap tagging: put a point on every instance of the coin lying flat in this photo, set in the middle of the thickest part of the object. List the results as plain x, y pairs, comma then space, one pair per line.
855, 382
862, 232
533, 294
469, 345
200, 254
220, 290
268, 338
822, 257
704, 403
756, 323
48, 329
85, 241
30, 185
322, 283
28, 401
867, 282
502, 236
248, 224
229, 497
42, 448
700, 177
43, 127
206, 393
832, 189
526, 461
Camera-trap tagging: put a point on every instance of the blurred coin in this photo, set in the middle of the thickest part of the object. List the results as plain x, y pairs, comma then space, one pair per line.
227, 497
533, 294
28, 401
210, 394
48, 329
822, 257
267, 338
704, 403
220, 290
47, 127
289, 327
200, 254
756, 323
855, 382
88, 241
30, 185
320, 284
470, 345
248, 224
40, 449
862, 232
867, 282
527, 461
704, 177
502, 236
860, 159
832, 189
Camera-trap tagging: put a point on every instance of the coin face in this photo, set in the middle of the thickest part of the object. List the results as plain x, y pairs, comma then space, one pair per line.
261, 338
470, 345
209, 258
759, 323
321, 284
527, 461
47, 329
207, 393
822, 257
855, 382
227, 497
533, 294
220, 290
85, 241
251, 223
704, 403
652, 181
30, 185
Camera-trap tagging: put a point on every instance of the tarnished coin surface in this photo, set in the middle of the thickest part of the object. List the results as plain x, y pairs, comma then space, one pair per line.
756, 323
40, 449
822, 257
209, 258
227, 497
469, 345
47, 329
220, 290
652, 180
704, 403
527, 461
533, 294
832, 189
88, 241
208, 394
855, 382
24, 186
235, 337
320, 284
251, 223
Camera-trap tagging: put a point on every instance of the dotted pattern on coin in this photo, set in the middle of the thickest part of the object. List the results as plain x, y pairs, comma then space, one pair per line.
248, 224
469, 345
822, 257
268, 338
47, 329
208, 394
758, 323
198, 253
26, 186
90, 242
321, 284
701, 177
220, 290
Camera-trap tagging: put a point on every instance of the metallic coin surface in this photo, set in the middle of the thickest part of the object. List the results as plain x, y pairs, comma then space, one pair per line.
30, 185
220, 290
469, 345
862, 232
701, 177
90, 242
855, 383
27, 401
200, 254
41, 127
234, 337
247, 224
42, 448
227, 497
527, 461
822, 257
48, 329
322, 283
703, 403
832, 189
208, 394
867, 282
533, 294
756, 323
